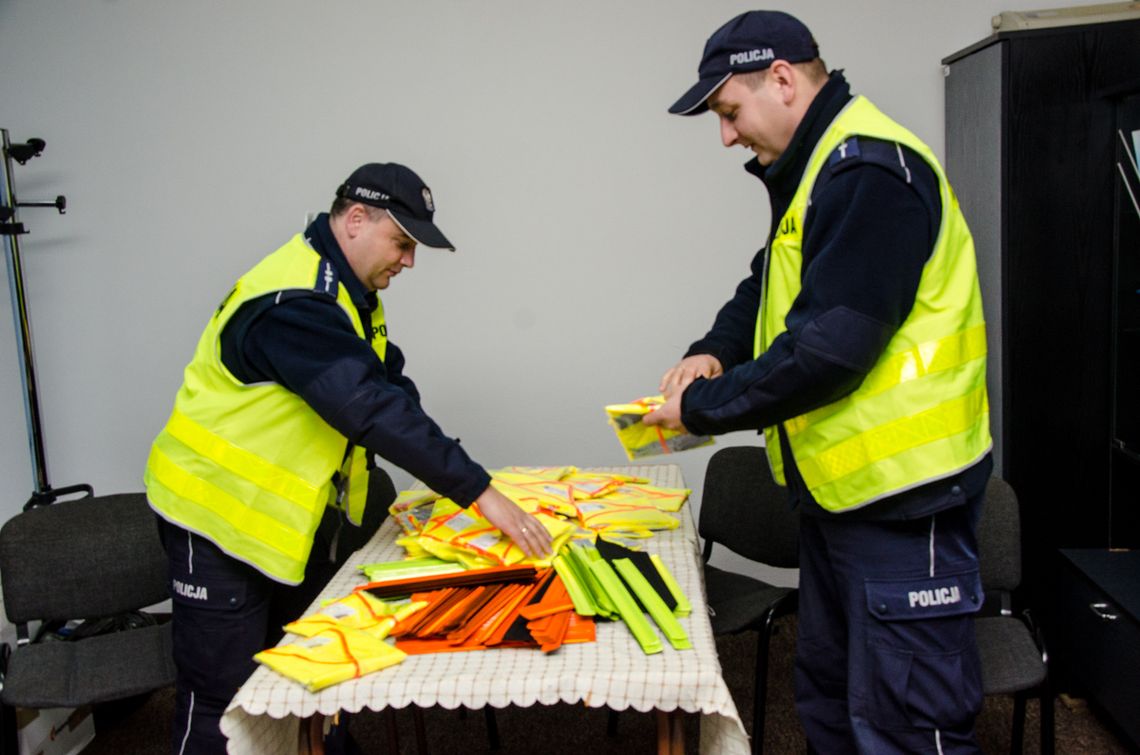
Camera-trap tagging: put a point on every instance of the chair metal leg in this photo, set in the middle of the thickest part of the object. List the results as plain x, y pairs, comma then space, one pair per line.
9, 738
760, 694
1048, 723
1017, 736
9, 741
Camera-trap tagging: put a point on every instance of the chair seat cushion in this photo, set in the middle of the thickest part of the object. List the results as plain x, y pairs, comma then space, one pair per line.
737, 602
1011, 660
114, 666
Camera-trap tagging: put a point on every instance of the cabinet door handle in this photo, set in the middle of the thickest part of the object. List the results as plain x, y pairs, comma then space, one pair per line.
1103, 611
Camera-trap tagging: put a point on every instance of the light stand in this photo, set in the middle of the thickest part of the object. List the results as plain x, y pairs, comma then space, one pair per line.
11, 228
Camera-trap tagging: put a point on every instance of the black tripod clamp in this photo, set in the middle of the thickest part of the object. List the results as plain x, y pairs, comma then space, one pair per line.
50, 495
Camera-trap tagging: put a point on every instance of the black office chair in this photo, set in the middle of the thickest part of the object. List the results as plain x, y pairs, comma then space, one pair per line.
98, 559
743, 509
1012, 647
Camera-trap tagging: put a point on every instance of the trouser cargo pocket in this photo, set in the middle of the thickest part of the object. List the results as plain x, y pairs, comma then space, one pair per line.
924, 665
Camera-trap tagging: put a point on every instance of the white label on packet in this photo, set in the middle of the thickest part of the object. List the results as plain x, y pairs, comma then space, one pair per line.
486, 541
314, 642
338, 611
460, 521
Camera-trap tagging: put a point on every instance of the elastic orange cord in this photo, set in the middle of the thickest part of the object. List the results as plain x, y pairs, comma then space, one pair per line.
347, 651
343, 644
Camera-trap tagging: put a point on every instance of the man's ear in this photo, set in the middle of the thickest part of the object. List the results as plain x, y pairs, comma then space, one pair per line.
354, 218
783, 74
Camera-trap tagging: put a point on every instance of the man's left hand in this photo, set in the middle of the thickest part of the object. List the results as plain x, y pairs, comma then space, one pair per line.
667, 415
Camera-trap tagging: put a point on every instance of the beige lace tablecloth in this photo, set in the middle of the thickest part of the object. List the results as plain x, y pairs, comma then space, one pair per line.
265, 714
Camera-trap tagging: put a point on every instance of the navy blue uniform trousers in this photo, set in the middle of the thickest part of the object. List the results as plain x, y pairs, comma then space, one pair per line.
886, 659
224, 612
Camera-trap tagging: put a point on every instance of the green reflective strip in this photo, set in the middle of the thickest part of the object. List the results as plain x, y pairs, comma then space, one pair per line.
631, 614
919, 361
267, 531
579, 595
265, 475
413, 567
653, 603
581, 564
684, 608
882, 442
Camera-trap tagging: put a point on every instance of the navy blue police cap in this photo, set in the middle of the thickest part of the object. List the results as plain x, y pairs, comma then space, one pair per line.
403, 194
749, 42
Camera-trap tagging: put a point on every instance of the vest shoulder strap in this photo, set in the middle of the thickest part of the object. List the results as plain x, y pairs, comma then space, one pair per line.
856, 151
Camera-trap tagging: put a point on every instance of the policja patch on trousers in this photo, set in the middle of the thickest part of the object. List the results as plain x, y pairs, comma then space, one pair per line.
925, 597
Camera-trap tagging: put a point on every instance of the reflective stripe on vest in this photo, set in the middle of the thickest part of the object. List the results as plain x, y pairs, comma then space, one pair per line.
921, 413
251, 467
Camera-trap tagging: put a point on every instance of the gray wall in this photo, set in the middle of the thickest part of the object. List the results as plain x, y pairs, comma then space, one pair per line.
597, 235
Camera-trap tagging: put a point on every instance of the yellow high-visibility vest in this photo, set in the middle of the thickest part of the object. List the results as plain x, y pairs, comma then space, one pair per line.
252, 467
921, 413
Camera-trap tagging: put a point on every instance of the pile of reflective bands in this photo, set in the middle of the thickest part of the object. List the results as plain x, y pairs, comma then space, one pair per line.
465, 586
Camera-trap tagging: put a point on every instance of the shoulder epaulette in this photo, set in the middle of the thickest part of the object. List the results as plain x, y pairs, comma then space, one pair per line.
867, 151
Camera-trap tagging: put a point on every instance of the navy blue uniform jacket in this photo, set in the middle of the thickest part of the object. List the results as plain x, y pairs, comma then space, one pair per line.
307, 345
869, 231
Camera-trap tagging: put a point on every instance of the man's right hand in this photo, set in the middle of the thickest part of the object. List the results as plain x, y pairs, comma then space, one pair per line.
688, 370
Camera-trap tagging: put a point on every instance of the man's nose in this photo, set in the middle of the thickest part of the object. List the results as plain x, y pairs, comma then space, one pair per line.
728, 133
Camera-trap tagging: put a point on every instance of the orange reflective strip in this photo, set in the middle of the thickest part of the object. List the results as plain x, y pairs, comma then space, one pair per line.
580, 629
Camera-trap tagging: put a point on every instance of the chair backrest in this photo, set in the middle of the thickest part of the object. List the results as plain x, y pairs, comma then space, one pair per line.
999, 538
82, 559
744, 509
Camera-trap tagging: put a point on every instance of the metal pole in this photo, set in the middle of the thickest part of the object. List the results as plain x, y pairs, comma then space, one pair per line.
23, 332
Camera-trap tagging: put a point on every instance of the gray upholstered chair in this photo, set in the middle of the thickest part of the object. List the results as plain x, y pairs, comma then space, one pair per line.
1012, 648
743, 509
94, 559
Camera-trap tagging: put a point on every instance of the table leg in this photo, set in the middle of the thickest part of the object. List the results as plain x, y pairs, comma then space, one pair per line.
312, 735
670, 732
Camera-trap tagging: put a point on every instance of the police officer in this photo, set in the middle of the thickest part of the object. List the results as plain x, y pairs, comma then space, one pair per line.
293, 387
857, 344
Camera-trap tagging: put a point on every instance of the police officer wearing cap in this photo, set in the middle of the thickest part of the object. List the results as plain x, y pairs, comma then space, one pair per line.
259, 477
857, 345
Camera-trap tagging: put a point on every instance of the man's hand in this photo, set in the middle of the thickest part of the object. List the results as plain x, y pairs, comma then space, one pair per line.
667, 415
527, 532
686, 371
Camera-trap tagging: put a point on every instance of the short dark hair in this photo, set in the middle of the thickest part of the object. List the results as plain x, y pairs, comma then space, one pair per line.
815, 70
341, 205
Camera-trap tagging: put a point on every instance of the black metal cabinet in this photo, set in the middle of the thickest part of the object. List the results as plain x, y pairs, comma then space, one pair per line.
1031, 149
1098, 593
